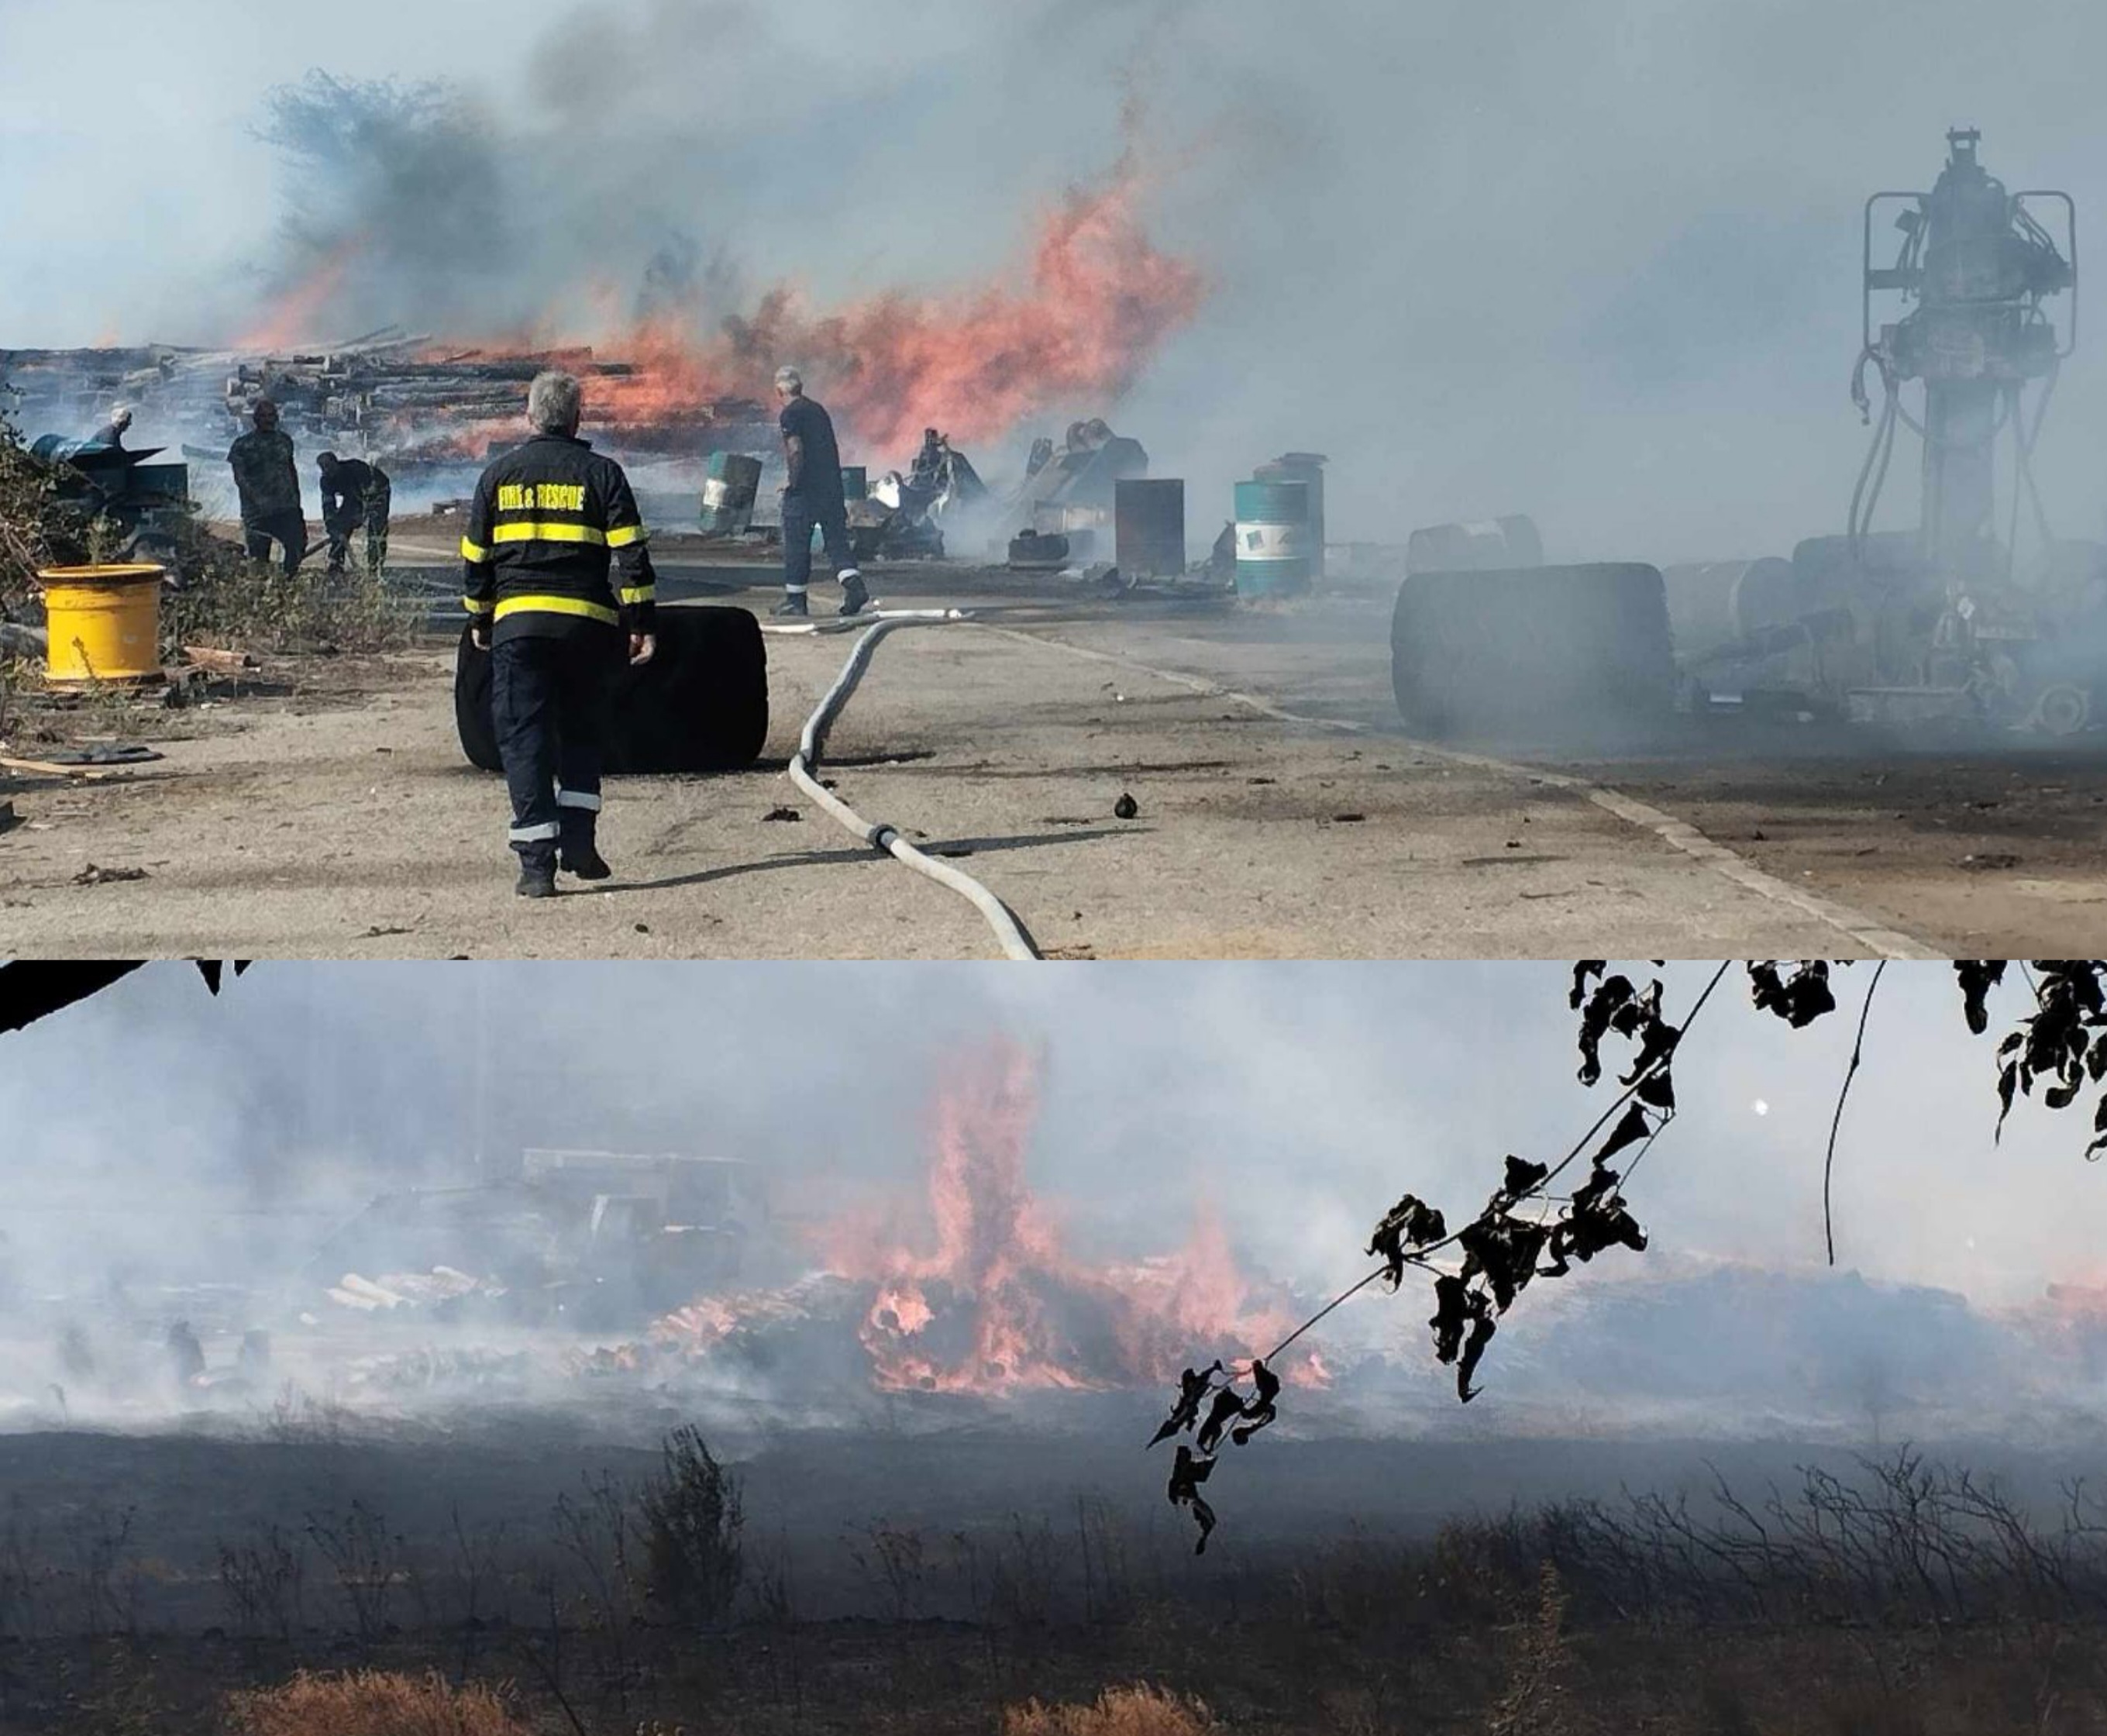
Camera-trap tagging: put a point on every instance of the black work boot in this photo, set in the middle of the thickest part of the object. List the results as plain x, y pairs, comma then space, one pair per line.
855, 597
792, 605
538, 875
580, 858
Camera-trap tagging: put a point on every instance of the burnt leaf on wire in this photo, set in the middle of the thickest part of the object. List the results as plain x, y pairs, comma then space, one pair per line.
1409, 1225
1977, 977
1186, 1474
1262, 1408
1463, 1326
1601, 1222
2055, 1042
1226, 1406
1482, 1328
1192, 1385
1631, 1128
1502, 1250
1452, 1312
1798, 999
1521, 1178
1610, 998
212, 970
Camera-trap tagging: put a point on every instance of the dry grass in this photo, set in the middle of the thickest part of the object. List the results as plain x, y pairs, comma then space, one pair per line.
1139, 1710
372, 1702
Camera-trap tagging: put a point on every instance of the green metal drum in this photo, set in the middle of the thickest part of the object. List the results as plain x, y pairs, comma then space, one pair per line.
1273, 537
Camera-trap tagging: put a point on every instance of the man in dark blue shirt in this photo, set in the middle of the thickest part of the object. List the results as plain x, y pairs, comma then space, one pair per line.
812, 497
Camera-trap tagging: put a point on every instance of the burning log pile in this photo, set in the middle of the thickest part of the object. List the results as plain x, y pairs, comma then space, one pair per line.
400, 398
971, 1290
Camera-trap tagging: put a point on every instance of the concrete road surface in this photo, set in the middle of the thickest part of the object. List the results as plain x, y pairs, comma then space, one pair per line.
1281, 813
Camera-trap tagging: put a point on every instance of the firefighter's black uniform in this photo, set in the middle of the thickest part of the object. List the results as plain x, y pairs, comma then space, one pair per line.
547, 521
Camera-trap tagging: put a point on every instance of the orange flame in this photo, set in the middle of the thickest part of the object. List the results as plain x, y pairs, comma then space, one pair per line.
1096, 301
990, 1300
292, 319
1074, 324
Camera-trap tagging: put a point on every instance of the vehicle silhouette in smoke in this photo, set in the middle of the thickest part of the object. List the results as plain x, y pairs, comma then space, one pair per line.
597, 1239
1944, 622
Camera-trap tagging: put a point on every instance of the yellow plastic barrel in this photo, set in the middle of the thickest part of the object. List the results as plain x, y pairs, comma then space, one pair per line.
105, 622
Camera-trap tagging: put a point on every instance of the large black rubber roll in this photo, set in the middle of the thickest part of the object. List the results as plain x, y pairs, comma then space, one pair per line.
1540, 651
701, 704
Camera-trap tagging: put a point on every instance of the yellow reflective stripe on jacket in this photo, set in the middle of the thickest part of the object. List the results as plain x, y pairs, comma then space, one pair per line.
474, 552
557, 605
540, 530
475, 606
622, 535
640, 593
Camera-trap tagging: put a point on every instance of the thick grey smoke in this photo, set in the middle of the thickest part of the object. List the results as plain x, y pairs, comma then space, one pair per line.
171, 1155
1598, 264
1298, 1100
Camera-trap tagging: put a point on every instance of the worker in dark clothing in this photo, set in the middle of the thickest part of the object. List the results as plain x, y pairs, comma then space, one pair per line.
111, 433
269, 484
355, 496
547, 520
928, 468
186, 1355
812, 497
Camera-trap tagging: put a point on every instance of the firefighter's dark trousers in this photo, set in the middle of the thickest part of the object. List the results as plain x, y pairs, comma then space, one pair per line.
288, 529
799, 516
549, 697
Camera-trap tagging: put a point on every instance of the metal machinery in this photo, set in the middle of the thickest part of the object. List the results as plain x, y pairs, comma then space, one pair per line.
1950, 613
1893, 627
142, 505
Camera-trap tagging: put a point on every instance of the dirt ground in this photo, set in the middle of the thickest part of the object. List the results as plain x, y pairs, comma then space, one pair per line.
326, 810
131, 1599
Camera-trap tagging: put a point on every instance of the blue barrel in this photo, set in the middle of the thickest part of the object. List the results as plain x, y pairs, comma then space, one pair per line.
1273, 537
855, 482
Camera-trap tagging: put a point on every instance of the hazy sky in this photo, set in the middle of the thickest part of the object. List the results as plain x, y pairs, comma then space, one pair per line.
1299, 1100
1594, 263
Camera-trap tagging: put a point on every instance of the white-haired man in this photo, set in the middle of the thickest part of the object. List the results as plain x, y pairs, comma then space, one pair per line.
812, 496
112, 432
548, 519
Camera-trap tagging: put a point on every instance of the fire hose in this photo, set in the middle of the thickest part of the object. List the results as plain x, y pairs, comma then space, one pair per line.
804, 766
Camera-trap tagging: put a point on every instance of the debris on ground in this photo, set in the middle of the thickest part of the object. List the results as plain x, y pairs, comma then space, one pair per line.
103, 754
782, 813
221, 662
93, 875
1126, 808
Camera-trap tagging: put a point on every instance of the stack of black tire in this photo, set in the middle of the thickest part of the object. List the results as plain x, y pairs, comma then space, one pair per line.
701, 704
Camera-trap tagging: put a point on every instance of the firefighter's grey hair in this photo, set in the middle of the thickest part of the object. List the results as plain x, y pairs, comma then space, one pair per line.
553, 403
790, 380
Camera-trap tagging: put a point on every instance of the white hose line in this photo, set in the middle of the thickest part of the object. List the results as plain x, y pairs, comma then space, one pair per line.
804, 764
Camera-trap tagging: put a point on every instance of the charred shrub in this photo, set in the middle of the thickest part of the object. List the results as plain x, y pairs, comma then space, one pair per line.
691, 1518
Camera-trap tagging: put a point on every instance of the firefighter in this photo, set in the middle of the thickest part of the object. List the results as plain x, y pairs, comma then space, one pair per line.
547, 520
813, 497
269, 484
355, 496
